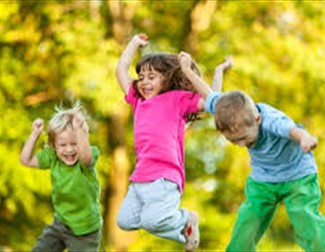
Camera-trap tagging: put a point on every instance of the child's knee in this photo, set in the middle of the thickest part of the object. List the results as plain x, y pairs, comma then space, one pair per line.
123, 222
149, 226
152, 224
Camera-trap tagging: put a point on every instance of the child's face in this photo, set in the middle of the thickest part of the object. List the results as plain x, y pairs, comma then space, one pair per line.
66, 146
149, 83
244, 135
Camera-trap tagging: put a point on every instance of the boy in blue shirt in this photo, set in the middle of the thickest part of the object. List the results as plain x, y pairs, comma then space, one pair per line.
283, 166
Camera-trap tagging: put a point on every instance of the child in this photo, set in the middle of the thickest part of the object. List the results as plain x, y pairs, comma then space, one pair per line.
283, 166
75, 187
160, 110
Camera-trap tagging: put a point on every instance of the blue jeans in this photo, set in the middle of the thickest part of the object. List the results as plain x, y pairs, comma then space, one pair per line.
153, 206
57, 237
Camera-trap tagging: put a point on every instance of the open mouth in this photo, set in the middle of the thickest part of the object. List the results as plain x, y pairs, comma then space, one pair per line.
70, 159
147, 91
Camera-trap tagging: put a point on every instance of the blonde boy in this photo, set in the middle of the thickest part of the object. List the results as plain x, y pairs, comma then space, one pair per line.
75, 187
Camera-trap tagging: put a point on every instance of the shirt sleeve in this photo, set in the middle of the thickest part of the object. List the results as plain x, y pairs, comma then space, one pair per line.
130, 97
188, 101
210, 102
275, 121
95, 155
45, 157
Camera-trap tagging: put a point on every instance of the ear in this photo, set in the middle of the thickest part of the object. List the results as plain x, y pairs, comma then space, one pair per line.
52, 146
258, 118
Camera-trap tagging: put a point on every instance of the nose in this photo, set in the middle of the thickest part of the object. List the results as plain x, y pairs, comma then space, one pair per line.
145, 81
69, 148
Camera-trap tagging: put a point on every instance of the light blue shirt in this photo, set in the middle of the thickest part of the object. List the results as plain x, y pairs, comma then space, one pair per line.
276, 157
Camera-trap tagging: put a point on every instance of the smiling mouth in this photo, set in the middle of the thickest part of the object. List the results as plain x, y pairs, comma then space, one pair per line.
70, 158
147, 91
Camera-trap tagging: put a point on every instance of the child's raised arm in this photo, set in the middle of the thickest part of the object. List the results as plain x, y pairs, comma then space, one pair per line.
26, 156
84, 149
123, 65
306, 141
217, 80
199, 84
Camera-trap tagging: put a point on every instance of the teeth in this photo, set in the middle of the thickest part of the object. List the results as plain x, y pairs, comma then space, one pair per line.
69, 157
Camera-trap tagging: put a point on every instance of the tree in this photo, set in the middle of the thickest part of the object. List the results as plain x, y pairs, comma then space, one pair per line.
54, 51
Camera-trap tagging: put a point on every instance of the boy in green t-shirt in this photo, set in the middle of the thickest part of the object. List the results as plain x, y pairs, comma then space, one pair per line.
75, 187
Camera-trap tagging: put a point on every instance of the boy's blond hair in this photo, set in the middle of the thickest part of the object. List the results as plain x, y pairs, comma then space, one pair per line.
234, 109
63, 119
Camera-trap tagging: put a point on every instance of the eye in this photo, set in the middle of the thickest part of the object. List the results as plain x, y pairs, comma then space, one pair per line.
140, 77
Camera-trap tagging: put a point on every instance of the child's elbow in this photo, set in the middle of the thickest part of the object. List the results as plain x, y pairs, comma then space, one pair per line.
120, 70
23, 160
117, 71
86, 160
200, 105
29, 162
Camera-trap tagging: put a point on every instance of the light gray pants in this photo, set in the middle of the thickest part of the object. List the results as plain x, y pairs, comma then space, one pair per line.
153, 206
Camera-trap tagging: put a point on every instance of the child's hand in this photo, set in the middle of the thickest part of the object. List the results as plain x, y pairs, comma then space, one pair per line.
79, 122
308, 143
38, 126
141, 39
184, 60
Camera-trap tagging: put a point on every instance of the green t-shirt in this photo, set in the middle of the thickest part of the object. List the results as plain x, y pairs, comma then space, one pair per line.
75, 191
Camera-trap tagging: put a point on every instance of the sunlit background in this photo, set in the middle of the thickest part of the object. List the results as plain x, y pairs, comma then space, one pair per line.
54, 52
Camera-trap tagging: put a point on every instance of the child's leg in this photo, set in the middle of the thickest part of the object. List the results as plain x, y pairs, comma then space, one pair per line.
302, 207
254, 216
50, 239
88, 242
217, 80
128, 217
160, 215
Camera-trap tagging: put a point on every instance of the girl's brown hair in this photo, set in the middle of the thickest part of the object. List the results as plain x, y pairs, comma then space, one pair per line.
168, 66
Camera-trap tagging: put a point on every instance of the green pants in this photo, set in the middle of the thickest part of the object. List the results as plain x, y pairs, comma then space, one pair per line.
301, 198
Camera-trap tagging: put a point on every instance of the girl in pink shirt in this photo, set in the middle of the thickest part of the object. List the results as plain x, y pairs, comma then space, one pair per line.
162, 101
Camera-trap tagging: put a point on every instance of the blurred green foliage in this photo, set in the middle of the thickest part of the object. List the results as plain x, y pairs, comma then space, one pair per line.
58, 51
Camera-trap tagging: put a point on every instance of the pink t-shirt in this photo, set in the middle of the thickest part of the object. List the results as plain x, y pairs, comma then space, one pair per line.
159, 129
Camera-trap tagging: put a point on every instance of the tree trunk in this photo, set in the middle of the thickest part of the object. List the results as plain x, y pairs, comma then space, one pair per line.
117, 182
118, 16
201, 15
